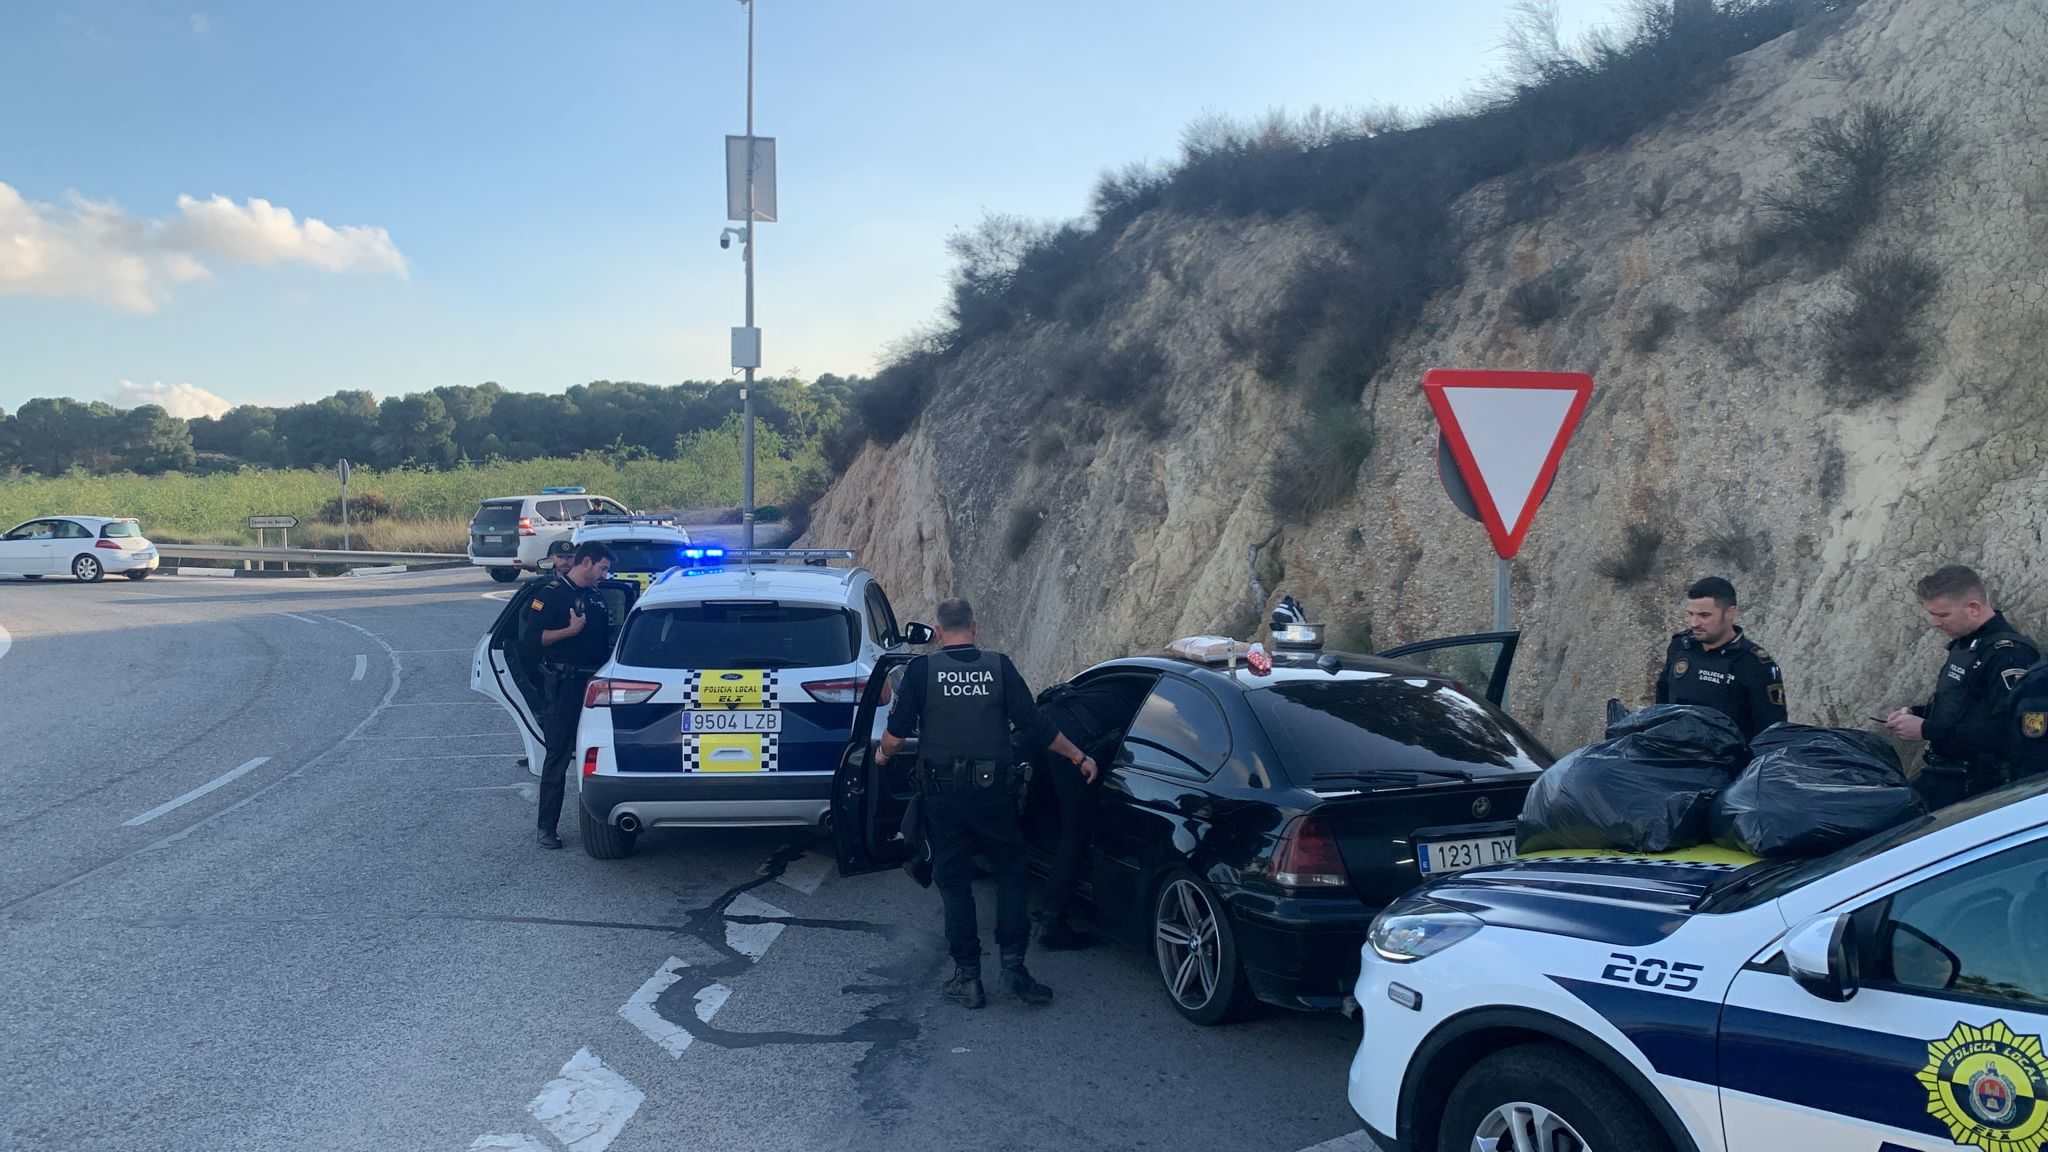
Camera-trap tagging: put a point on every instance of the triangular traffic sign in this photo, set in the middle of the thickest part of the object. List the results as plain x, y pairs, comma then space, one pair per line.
1507, 431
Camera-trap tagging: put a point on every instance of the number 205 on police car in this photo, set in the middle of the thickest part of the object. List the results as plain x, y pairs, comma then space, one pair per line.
1438, 857
733, 720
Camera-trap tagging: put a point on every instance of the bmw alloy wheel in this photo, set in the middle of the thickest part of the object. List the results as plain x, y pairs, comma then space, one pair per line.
1518, 1126
86, 569
1190, 953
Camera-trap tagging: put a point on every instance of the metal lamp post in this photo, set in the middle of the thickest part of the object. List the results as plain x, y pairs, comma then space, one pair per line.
750, 198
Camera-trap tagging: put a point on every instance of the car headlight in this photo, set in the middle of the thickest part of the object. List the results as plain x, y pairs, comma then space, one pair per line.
1404, 935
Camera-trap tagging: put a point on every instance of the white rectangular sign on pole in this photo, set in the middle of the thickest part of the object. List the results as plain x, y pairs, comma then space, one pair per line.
736, 177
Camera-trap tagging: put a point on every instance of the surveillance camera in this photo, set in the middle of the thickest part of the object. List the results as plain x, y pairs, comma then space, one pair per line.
725, 239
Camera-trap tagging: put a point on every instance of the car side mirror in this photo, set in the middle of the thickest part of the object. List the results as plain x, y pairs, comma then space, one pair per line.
1822, 957
915, 633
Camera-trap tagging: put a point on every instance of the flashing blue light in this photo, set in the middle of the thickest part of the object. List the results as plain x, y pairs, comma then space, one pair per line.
561, 491
712, 555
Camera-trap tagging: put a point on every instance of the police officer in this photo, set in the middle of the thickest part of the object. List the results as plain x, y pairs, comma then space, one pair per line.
2027, 724
1714, 663
962, 703
525, 675
1965, 723
565, 632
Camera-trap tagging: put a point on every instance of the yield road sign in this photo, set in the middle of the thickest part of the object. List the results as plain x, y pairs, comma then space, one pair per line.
1507, 431
273, 522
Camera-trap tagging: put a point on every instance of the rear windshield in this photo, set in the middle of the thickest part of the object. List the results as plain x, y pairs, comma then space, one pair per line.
121, 530
755, 634
644, 555
496, 516
1382, 729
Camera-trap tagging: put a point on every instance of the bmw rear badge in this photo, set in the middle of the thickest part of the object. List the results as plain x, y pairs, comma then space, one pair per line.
1481, 807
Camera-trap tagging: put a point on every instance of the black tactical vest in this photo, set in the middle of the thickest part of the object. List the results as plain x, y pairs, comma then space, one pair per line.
964, 714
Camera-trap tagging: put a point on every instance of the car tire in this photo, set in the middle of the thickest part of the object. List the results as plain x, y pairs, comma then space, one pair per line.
137, 574
601, 839
86, 569
503, 575
1194, 950
1547, 1096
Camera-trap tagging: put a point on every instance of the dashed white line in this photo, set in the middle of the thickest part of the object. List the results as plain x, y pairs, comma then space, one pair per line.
588, 1105
752, 940
6, 641
220, 781
639, 1011
362, 667
299, 618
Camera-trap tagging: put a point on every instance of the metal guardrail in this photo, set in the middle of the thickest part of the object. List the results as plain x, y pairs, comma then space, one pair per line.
304, 555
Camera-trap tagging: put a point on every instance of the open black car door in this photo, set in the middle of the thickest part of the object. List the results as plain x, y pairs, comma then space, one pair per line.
1481, 660
869, 799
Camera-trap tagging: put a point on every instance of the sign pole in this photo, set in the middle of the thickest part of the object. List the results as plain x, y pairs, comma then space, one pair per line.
342, 468
1500, 593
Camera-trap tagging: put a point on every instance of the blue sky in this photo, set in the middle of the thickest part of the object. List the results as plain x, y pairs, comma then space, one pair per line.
531, 192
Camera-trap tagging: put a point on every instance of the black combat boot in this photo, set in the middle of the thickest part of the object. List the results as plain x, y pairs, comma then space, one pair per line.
965, 988
1017, 981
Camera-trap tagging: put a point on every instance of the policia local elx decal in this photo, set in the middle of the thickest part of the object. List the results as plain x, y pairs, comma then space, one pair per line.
1989, 1086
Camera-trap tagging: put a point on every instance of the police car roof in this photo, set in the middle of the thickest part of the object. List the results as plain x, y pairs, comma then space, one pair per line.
801, 582
628, 531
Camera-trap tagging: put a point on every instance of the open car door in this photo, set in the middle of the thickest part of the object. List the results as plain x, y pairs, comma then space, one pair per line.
490, 671
869, 799
1481, 660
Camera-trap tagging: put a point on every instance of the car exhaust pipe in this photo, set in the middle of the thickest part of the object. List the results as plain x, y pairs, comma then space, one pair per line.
629, 823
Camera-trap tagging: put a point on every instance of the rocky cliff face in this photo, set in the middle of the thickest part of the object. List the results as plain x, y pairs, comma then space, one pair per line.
1083, 532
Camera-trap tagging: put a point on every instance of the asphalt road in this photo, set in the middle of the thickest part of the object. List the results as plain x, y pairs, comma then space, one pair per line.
270, 883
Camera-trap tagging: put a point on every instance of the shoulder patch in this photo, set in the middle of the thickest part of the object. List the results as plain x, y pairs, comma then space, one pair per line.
1762, 656
2034, 725
539, 605
2007, 642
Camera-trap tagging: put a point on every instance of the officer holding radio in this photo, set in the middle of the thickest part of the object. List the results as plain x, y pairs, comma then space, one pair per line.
963, 703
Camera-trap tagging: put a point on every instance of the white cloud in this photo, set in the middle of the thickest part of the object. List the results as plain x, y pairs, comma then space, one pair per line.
92, 249
185, 401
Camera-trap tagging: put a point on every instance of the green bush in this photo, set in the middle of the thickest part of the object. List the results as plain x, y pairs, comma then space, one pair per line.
1319, 468
364, 507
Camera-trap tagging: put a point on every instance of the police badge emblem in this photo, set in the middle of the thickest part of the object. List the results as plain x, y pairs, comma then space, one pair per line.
1989, 1086
2034, 725
1681, 668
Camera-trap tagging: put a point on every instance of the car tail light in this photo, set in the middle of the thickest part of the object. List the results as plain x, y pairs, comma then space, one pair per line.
590, 761
526, 525
1307, 856
113, 544
618, 693
837, 691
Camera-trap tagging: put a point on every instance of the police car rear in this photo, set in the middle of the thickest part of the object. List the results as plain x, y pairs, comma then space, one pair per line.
1892, 996
644, 545
730, 695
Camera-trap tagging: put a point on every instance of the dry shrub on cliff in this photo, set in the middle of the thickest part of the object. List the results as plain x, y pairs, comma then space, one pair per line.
1652, 197
1874, 346
1851, 166
1112, 376
1320, 466
893, 398
1661, 323
1541, 299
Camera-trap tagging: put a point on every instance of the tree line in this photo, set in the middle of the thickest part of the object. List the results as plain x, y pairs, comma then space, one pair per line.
441, 428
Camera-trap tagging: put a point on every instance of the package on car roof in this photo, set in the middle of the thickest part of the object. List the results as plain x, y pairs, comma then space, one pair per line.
1649, 787
1809, 790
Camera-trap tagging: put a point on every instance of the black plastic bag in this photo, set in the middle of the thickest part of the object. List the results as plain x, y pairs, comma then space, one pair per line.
1648, 787
1812, 790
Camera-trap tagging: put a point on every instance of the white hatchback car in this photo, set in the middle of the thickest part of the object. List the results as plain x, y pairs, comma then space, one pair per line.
1890, 997
729, 697
511, 533
86, 548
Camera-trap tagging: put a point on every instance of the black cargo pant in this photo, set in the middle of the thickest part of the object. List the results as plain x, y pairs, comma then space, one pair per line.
962, 819
1076, 798
562, 709
1943, 782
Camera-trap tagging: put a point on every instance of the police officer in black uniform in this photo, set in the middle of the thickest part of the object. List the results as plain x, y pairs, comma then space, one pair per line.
1966, 723
565, 631
525, 675
1714, 663
2027, 724
962, 703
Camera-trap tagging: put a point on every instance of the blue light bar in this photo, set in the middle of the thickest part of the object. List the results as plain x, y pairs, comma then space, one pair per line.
561, 491
713, 555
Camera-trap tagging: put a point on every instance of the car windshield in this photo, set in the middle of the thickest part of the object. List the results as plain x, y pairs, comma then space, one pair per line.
644, 555
744, 634
496, 516
1762, 883
121, 530
1327, 730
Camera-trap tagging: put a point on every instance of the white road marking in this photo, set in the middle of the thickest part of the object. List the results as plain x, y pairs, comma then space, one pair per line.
6, 641
220, 781
639, 1011
1350, 1142
299, 618
805, 873
752, 940
424, 651
710, 1000
451, 736
587, 1105
444, 703
509, 754
362, 667
518, 1142
505, 595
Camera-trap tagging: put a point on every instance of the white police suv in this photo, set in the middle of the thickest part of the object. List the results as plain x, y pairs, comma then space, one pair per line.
644, 545
1892, 996
731, 694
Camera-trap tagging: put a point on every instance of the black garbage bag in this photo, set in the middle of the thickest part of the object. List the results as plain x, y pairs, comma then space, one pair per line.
1648, 787
1811, 790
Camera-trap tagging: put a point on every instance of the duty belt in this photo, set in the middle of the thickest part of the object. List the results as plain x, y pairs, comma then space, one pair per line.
964, 775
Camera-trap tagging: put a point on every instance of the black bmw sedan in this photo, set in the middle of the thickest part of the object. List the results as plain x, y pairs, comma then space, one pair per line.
1254, 816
